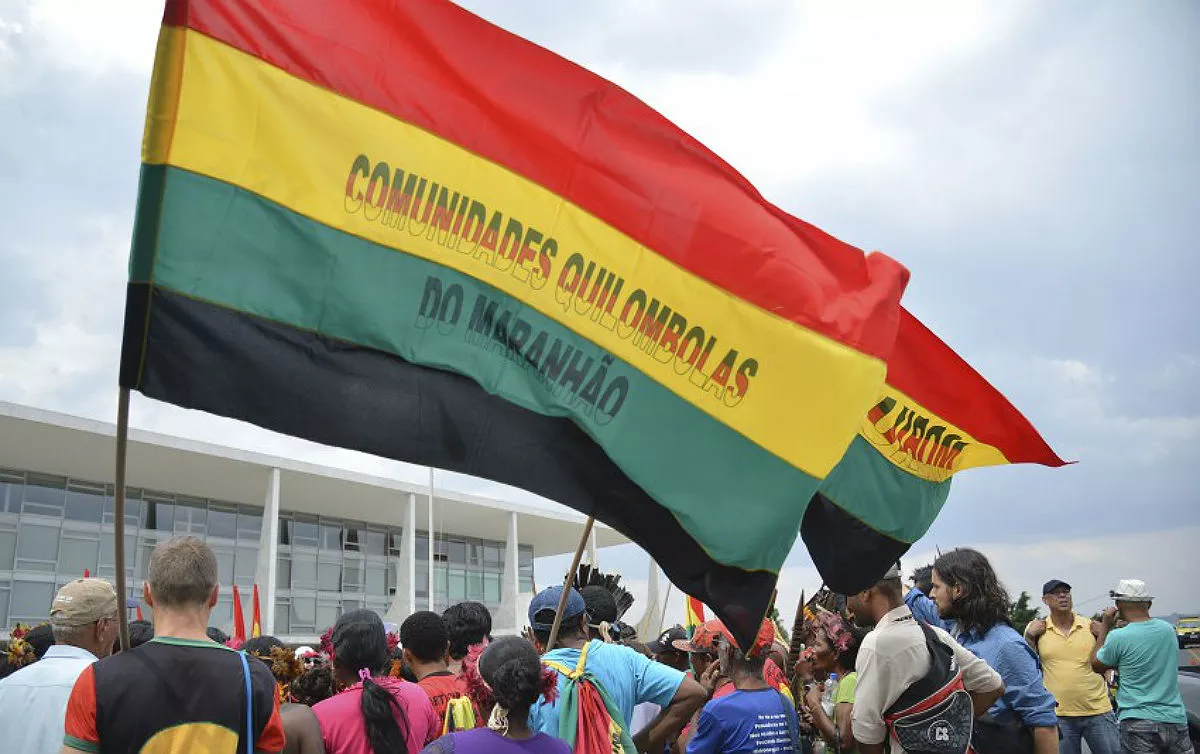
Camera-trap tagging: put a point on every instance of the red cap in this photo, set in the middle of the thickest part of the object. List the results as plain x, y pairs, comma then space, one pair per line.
704, 638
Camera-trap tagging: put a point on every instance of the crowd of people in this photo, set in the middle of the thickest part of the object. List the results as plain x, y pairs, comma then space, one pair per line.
932, 665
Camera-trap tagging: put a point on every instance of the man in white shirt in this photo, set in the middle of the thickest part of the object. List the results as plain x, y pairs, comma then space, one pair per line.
894, 657
33, 700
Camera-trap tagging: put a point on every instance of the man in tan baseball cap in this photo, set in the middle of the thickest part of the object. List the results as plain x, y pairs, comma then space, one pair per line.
33, 701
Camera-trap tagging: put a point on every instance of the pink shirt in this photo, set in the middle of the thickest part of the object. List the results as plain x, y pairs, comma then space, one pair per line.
342, 721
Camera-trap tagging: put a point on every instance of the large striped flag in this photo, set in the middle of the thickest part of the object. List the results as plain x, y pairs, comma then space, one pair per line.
397, 228
934, 417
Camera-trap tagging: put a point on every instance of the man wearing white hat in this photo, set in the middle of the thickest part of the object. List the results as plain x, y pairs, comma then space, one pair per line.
1145, 653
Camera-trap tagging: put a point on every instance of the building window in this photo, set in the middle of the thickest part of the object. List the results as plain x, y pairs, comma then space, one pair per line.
353, 576
457, 591
246, 565
12, 489
80, 553
283, 616
304, 614
191, 516
330, 576
222, 523
44, 495
491, 588
328, 611
493, 557
84, 503
283, 572
457, 551
160, 513
249, 525
37, 547
375, 542
29, 601
331, 535
304, 531
304, 570
8, 550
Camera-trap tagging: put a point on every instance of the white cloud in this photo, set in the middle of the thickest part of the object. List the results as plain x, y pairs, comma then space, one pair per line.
96, 38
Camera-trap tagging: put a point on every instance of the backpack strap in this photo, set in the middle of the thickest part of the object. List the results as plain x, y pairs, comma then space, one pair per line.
249, 705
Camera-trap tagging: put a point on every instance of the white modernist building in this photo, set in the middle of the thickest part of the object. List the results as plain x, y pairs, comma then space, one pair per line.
315, 540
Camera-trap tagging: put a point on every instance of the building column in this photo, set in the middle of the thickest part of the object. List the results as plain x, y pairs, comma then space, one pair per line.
507, 617
592, 550
268, 555
429, 536
404, 603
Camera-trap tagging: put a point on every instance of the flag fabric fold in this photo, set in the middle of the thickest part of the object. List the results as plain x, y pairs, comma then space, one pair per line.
934, 417
403, 230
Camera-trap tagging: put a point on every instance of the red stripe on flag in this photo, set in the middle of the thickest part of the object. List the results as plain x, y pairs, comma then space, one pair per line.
927, 370
437, 66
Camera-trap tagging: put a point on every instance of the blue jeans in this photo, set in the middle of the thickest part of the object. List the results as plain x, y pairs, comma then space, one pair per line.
1100, 732
1153, 737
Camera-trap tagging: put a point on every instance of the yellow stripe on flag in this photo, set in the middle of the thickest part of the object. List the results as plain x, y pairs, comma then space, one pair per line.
239, 120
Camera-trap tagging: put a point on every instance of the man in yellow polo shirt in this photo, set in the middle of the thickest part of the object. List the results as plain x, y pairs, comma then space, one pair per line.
1064, 642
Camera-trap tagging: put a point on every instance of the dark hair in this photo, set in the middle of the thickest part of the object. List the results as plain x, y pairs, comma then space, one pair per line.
985, 601
140, 632
215, 634
750, 665
923, 579
467, 623
893, 589
313, 685
848, 657
601, 605
424, 634
360, 643
511, 667
41, 638
261, 646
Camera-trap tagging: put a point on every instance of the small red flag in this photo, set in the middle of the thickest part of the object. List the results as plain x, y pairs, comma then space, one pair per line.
139, 612
239, 623
256, 621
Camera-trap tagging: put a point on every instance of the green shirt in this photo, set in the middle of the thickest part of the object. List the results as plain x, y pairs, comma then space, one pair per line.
1146, 654
845, 689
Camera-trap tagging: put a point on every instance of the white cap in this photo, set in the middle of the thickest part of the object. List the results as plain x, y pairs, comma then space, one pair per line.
1131, 590
302, 652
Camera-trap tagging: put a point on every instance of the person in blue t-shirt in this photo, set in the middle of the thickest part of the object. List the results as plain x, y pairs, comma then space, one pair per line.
755, 717
627, 677
1150, 710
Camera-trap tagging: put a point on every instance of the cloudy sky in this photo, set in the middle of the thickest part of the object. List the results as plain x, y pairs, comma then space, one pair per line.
1036, 166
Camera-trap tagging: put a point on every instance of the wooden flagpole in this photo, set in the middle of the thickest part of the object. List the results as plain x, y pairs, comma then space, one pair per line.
562, 600
119, 515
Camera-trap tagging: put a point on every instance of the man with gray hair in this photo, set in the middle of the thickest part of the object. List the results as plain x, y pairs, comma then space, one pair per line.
181, 689
33, 701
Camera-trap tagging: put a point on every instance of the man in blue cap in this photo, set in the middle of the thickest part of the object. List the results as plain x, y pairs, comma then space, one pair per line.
594, 675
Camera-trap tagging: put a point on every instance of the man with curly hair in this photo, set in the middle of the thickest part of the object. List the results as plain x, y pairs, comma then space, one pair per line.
970, 596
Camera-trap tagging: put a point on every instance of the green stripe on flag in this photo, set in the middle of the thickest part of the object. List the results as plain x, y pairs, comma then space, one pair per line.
225, 245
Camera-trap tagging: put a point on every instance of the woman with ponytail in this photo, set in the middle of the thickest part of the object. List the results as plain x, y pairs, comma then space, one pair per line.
373, 714
505, 682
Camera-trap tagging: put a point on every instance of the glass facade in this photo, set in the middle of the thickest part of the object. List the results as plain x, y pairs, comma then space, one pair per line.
52, 529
